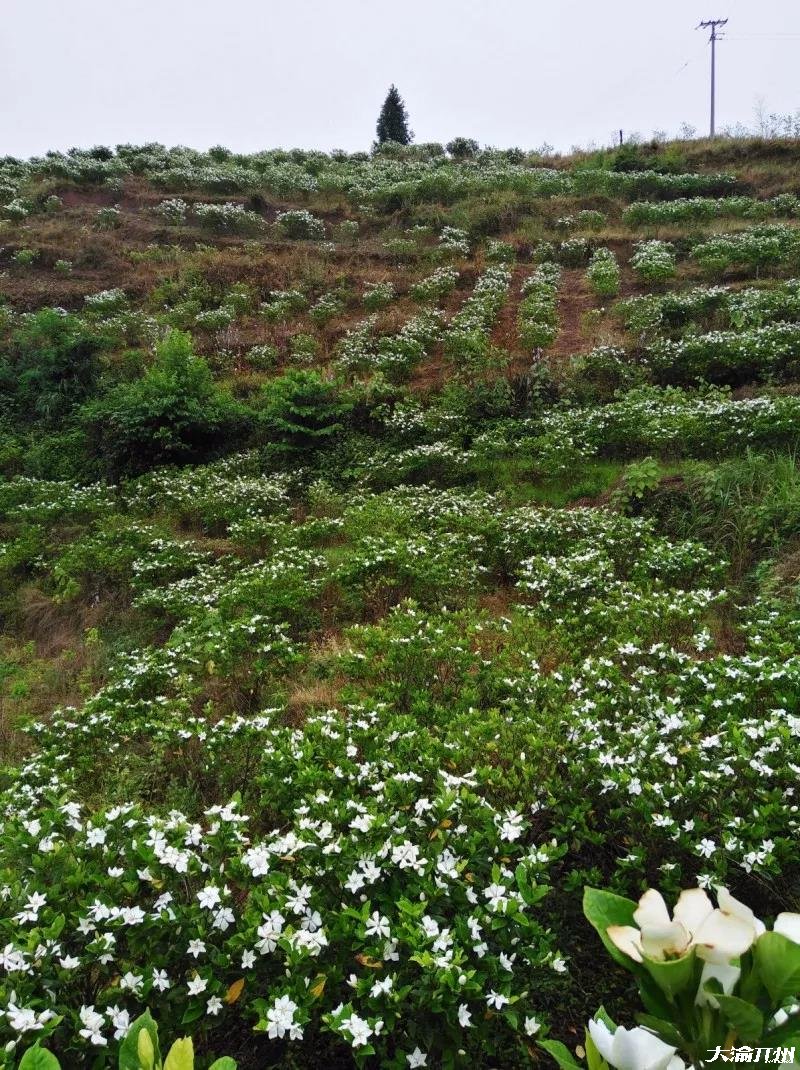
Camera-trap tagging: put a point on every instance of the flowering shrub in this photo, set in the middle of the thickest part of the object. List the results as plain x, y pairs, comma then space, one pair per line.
229, 217
702, 209
453, 240
108, 218
731, 357
139, 1049
436, 286
603, 273
300, 223
758, 247
654, 261
468, 332
378, 295
537, 317
172, 211
283, 305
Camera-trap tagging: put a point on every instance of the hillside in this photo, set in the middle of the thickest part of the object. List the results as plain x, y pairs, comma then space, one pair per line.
390, 548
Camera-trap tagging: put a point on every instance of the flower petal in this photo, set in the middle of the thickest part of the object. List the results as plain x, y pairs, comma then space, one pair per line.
788, 925
658, 941
639, 1049
720, 971
627, 939
603, 1038
723, 937
652, 910
692, 908
729, 905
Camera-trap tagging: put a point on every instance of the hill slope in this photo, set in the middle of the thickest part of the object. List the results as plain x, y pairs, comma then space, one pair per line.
391, 547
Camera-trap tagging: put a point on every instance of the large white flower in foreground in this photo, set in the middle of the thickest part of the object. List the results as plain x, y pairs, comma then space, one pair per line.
633, 1049
720, 935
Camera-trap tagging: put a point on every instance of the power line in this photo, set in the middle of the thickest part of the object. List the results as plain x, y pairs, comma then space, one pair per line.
713, 24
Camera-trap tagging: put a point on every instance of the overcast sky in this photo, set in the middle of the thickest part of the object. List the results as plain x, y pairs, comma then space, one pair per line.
253, 74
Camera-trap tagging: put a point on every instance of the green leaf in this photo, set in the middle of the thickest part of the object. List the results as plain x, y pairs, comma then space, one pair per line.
561, 1053
594, 1060
191, 1014
37, 1058
129, 1049
531, 893
778, 962
603, 909
673, 976
180, 1056
225, 1063
666, 1030
747, 1020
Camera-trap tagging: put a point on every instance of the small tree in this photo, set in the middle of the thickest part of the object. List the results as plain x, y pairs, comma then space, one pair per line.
393, 119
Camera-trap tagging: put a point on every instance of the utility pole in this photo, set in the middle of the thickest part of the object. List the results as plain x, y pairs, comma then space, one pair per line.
713, 24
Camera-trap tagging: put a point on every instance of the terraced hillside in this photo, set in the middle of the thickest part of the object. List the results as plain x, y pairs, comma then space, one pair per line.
390, 547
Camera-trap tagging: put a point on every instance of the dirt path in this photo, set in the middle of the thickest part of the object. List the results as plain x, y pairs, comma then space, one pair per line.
574, 299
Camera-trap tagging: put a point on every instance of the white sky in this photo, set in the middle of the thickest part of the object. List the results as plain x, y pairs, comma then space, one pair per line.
254, 74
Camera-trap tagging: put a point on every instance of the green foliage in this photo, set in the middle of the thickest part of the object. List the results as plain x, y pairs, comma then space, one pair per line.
139, 1051
51, 365
603, 273
301, 411
173, 414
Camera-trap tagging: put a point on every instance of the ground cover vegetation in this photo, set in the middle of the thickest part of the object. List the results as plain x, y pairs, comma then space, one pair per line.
394, 546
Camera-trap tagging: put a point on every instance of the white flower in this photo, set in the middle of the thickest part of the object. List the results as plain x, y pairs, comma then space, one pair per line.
719, 935
464, 1016
788, 925
417, 1058
378, 925
209, 897
633, 1049
26, 1020
120, 1020
160, 980
195, 948
197, 985
280, 1017
497, 1000
93, 1023
214, 1005
532, 1026
131, 982
359, 1029
720, 971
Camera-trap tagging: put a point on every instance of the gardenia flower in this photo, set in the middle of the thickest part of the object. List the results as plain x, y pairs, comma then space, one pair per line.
417, 1058
719, 935
93, 1023
26, 1020
281, 1017
633, 1049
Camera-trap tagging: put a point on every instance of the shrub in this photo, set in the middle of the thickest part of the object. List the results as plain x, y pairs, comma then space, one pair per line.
229, 217
654, 261
300, 223
53, 365
463, 148
603, 273
172, 211
573, 252
173, 414
537, 318
108, 218
379, 295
